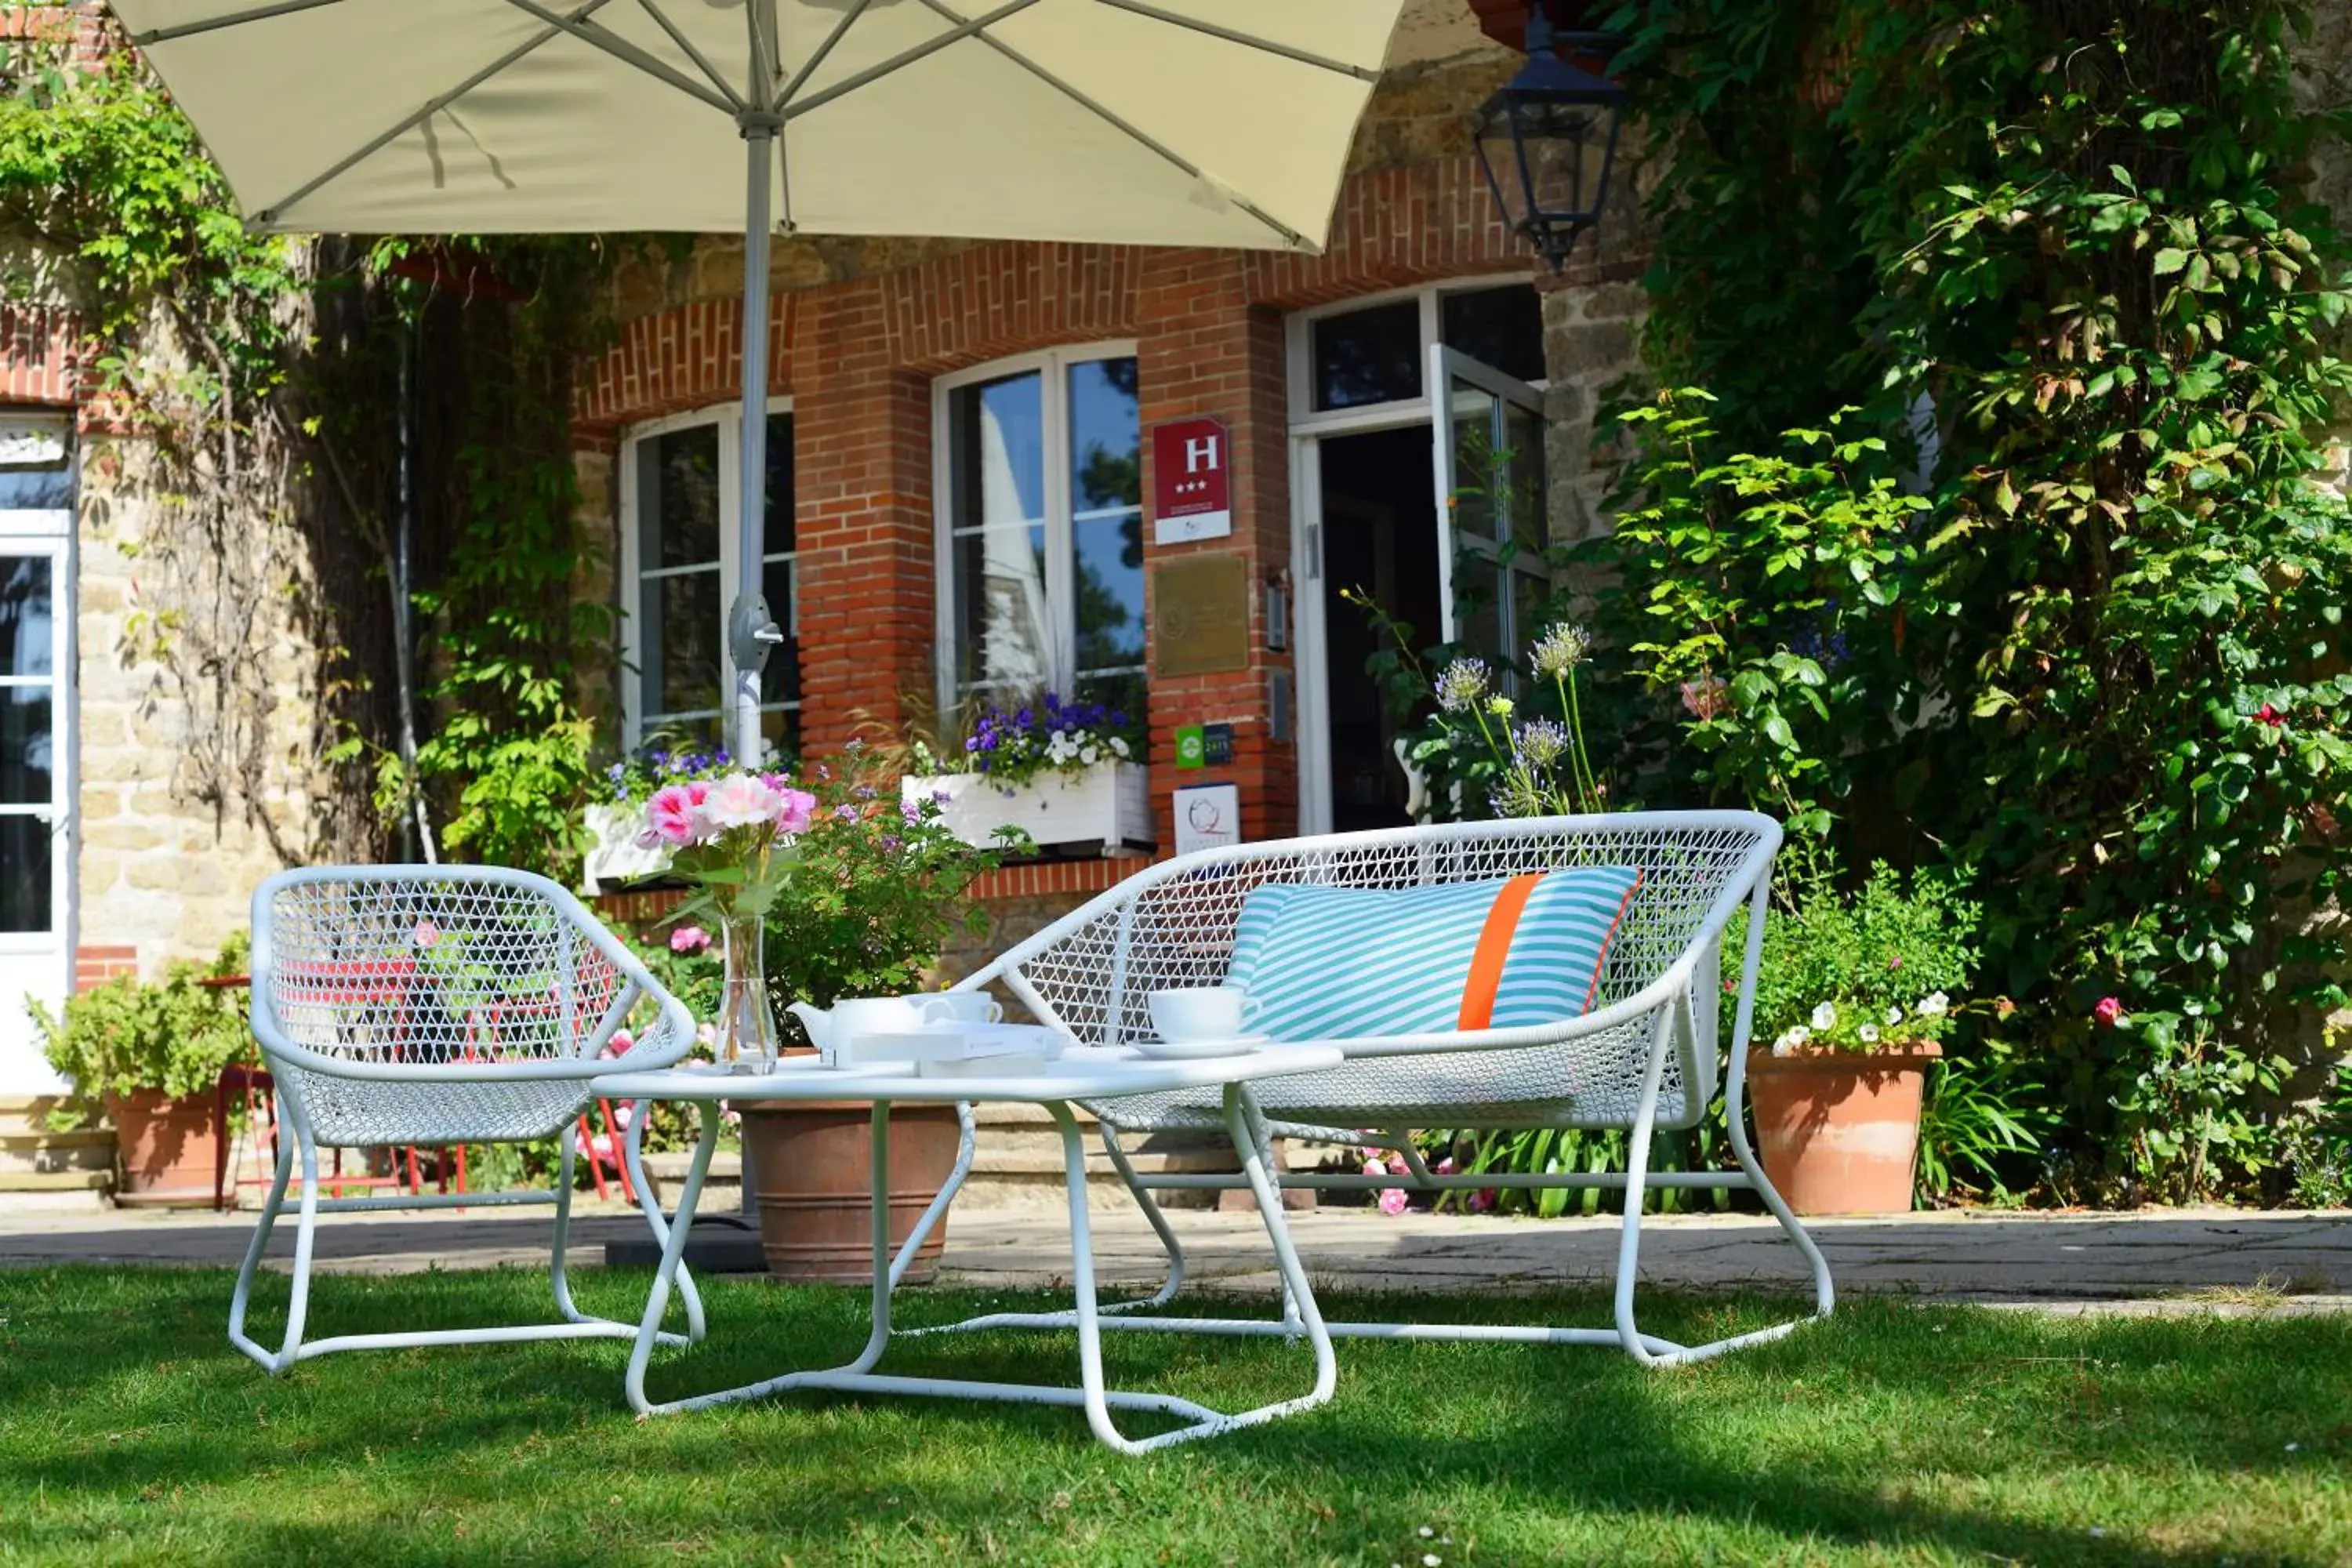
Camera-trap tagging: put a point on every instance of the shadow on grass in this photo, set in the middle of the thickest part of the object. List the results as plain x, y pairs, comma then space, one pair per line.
116, 1383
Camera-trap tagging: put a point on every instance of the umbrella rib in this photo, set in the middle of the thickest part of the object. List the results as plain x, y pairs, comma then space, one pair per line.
232, 20
855, 10
268, 215
962, 29
1134, 132
1266, 46
621, 49
678, 36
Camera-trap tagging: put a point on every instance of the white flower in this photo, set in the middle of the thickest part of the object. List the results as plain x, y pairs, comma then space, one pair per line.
1119, 749
1894, 1016
1825, 1016
738, 800
1935, 1006
1781, 1047
1090, 755
1869, 1033
1800, 1035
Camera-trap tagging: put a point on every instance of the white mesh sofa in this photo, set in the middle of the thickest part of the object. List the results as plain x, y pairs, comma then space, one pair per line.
431, 1005
1642, 1054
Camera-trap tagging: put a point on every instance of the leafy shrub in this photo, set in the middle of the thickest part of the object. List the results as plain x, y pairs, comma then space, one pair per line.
174, 1035
1861, 972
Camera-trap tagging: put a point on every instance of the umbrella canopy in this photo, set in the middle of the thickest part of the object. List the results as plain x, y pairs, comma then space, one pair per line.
1172, 122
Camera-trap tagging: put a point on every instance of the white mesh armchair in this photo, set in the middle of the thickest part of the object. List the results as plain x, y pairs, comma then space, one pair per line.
435, 1004
1642, 1057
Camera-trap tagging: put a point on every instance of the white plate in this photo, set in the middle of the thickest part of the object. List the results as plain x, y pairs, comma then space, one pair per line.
1181, 1050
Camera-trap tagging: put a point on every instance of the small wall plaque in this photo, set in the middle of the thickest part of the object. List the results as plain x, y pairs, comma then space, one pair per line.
1200, 614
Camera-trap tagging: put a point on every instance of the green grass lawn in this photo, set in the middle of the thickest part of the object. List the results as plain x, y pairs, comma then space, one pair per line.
130, 1432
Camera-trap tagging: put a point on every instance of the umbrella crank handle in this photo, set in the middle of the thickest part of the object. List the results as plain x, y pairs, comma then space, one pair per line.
751, 632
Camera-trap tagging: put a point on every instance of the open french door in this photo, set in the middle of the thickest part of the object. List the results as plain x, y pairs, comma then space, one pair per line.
1488, 451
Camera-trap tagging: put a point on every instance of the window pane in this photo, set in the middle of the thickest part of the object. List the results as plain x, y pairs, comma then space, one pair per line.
24, 628
28, 745
677, 497
24, 874
781, 729
37, 489
1110, 591
1106, 436
679, 631
780, 491
1500, 327
1003, 619
1123, 694
779, 678
1522, 460
1368, 356
1476, 475
1001, 615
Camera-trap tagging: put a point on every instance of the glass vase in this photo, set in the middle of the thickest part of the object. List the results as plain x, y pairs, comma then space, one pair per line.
744, 1037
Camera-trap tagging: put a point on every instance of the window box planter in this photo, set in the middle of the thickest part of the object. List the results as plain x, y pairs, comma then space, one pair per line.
613, 853
1108, 804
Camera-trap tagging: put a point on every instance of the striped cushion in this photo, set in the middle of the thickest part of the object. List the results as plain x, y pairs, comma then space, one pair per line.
1331, 963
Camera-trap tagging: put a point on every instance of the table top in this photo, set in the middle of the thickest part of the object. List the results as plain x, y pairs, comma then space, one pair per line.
1084, 1073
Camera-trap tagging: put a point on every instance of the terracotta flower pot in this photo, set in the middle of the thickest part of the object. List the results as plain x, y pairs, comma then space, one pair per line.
812, 1174
165, 1147
1839, 1131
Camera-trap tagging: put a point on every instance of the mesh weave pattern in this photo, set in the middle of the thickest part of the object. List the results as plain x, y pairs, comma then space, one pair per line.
439, 973
1175, 928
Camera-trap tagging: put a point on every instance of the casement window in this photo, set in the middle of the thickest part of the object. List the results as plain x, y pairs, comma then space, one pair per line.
680, 493
1040, 524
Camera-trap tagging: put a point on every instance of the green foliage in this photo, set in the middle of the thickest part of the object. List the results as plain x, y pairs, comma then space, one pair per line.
174, 1035
2105, 672
1981, 1113
1873, 969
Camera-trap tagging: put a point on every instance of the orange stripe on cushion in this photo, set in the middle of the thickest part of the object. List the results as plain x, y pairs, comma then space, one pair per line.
1494, 948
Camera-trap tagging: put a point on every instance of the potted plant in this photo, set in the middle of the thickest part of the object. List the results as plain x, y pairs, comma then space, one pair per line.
875, 890
1856, 993
1062, 772
150, 1057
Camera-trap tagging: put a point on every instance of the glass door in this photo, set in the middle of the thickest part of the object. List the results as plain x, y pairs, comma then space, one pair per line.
1488, 458
36, 859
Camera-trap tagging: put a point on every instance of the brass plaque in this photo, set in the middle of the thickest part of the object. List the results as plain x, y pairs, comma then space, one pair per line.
1200, 614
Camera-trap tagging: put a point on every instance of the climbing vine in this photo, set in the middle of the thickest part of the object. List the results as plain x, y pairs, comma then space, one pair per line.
2062, 256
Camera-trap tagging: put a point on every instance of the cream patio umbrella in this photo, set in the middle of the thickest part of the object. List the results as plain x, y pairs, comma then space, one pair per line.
1166, 122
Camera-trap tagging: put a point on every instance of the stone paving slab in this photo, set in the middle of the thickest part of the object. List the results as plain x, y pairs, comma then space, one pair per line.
2213, 1255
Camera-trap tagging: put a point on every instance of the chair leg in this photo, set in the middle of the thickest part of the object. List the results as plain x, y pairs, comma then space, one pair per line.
241, 1299
569, 1143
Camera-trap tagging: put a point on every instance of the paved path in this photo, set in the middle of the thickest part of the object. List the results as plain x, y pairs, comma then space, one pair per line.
2213, 1255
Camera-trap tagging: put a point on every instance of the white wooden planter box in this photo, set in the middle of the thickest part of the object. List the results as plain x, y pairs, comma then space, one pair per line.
613, 853
1108, 804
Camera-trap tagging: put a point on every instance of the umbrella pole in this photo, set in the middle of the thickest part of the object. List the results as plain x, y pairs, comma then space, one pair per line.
752, 631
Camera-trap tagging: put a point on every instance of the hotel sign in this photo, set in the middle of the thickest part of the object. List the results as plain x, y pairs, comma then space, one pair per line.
1191, 481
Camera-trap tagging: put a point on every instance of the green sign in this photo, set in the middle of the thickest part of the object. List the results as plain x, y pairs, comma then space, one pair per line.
1192, 748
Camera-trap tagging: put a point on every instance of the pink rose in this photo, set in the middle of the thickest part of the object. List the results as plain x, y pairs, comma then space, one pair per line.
621, 1114
1443, 1168
2109, 1011
688, 939
428, 933
2266, 714
1392, 1200
1375, 1168
1482, 1200
795, 809
670, 816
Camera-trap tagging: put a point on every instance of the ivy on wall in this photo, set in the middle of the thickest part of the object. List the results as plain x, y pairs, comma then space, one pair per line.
2056, 257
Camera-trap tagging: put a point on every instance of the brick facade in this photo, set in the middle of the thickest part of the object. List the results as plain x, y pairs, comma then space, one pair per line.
858, 358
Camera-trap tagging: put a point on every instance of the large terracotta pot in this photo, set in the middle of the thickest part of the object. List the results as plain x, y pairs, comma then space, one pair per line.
812, 1172
165, 1147
1839, 1131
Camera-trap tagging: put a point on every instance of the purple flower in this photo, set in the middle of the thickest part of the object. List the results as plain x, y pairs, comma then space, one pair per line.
892, 844
911, 810
846, 812
864, 792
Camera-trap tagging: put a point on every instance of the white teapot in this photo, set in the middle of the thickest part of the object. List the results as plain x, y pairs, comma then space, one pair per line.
831, 1032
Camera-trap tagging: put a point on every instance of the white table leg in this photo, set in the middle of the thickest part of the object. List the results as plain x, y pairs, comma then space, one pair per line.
673, 1251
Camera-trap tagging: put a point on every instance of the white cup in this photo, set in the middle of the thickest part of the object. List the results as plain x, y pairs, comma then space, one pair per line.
1199, 1012
961, 1007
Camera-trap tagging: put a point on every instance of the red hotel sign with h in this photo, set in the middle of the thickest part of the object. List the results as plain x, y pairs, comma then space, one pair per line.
1191, 481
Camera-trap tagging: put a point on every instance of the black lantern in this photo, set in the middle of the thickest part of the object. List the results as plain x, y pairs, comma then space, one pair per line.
1548, 139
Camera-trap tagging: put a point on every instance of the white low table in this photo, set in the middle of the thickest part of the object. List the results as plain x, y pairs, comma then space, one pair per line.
1080, 1075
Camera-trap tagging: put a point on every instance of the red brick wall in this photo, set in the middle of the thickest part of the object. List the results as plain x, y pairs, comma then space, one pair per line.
94, 966
858, 358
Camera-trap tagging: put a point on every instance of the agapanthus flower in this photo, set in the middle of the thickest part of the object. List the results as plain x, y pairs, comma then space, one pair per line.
1539, 742
1461, 684
1562, 649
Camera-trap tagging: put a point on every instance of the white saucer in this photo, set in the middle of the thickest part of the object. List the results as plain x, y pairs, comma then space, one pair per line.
1179, 1050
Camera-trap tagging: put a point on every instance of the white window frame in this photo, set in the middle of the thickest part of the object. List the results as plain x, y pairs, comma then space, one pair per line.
1053, 366
728, 418
1308, 425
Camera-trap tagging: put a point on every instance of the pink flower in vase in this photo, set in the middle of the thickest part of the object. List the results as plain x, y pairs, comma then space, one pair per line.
689, 939
738, 800
670, 816
780, 783
1392, 1200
